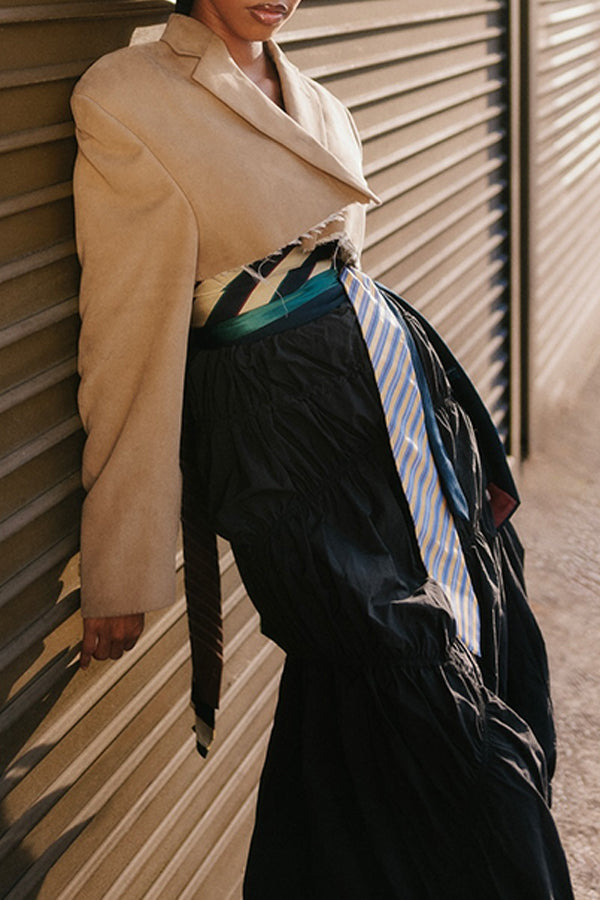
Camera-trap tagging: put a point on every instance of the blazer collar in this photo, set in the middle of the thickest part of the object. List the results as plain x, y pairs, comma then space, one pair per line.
301, 129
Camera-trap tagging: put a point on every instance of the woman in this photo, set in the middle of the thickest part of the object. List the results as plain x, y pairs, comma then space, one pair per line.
329, 434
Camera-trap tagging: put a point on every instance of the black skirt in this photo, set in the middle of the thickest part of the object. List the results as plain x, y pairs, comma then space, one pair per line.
392, 771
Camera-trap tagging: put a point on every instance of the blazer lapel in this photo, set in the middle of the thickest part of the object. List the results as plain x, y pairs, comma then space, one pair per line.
301, 129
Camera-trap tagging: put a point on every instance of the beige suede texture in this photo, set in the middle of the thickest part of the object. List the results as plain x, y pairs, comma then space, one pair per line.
185, 169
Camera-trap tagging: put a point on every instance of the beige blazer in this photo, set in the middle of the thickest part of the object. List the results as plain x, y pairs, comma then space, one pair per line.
185, 169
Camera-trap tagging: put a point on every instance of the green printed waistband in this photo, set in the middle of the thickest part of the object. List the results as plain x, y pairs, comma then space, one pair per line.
322, 292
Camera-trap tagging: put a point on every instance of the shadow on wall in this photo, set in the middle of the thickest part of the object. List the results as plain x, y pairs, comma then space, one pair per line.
40, 445
36, 668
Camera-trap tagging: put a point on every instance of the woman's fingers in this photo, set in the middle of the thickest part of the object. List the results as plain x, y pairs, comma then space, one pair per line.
117, 648
103, 643
110, 637
88, 644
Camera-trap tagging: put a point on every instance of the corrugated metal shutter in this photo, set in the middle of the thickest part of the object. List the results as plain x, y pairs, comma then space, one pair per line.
565, 195
427, 85
104, 794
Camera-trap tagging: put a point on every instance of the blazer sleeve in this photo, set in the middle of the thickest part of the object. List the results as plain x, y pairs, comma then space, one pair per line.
137, 243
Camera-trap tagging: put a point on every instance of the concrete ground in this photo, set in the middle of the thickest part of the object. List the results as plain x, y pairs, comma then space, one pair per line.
559, 523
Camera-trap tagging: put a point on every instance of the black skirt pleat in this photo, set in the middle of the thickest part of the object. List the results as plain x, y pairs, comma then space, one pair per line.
393, 771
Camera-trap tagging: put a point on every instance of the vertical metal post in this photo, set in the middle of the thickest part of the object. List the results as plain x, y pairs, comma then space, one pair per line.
517, 250
527, 149
521, 89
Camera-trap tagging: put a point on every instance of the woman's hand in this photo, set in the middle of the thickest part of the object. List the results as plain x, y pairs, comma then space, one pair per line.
108, 638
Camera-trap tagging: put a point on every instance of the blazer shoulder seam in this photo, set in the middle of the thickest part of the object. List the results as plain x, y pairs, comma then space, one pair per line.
78, 94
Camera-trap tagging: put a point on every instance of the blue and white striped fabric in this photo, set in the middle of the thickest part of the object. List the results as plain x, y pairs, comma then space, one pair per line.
397, 381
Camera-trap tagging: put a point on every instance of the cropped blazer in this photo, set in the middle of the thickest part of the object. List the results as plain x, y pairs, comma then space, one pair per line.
184, 169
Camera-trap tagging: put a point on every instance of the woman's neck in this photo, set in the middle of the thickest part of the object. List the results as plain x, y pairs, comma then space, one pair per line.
264, 75
250, 56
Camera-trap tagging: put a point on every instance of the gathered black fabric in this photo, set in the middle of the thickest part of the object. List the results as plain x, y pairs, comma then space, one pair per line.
396, 769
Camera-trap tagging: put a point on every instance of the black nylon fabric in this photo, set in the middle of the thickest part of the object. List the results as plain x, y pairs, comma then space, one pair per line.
513, 662
394, 769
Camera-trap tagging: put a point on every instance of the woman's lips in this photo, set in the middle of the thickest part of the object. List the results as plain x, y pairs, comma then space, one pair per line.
269, 13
